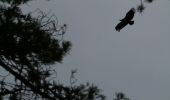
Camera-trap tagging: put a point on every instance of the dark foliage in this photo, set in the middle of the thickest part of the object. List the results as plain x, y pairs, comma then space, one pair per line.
15, 2
149, 1
141, 7
121, 96
28, 46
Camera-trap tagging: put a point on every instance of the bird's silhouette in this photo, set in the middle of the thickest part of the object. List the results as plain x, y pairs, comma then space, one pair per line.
126, 20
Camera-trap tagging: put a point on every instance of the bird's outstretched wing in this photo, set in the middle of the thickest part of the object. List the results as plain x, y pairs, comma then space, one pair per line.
120, 25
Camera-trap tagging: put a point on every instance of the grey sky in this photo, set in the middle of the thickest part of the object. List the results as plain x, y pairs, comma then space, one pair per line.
134, 60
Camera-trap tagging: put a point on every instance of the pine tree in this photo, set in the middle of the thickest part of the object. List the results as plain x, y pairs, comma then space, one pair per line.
28, 47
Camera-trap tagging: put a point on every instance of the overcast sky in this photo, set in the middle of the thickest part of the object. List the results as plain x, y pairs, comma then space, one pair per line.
135, 60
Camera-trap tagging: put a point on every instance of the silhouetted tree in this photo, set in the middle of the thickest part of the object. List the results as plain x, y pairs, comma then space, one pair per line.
28, 46
140, 8
121, 96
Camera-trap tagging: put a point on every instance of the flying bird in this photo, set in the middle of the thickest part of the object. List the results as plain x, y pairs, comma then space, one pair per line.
126, 20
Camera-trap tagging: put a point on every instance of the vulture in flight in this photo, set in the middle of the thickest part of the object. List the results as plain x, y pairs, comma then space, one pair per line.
126, 20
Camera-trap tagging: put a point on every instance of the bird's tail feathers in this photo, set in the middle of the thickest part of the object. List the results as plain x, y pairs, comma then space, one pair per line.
131, 22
